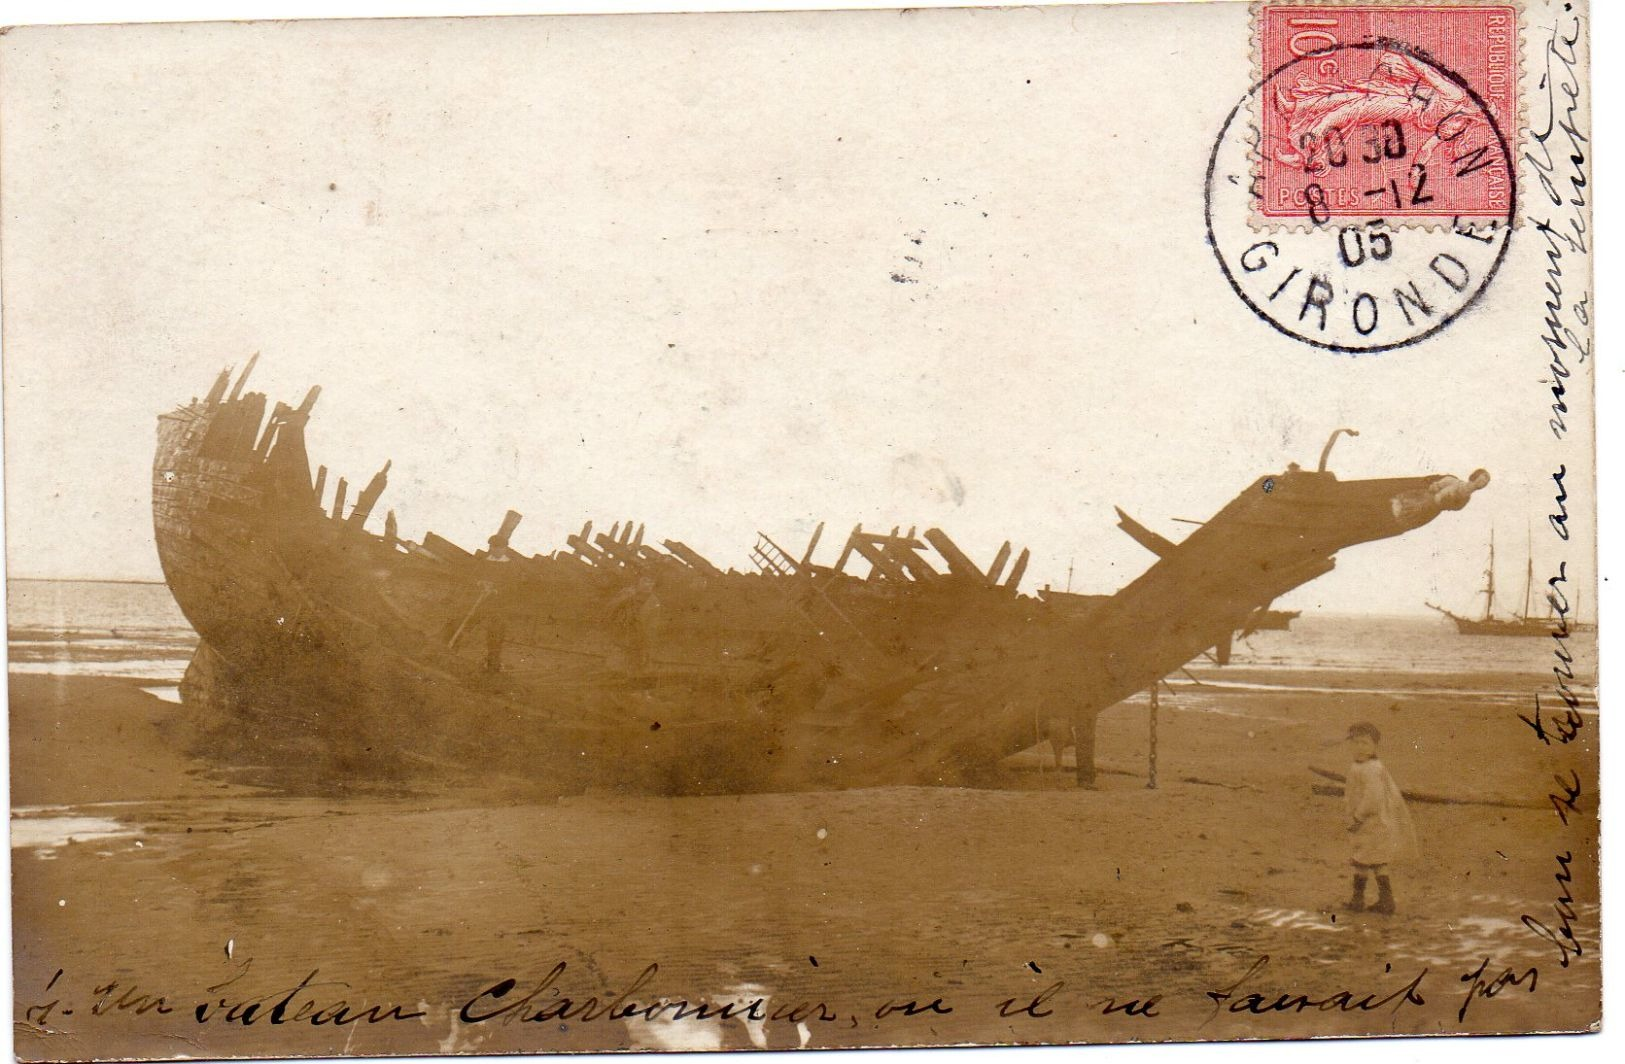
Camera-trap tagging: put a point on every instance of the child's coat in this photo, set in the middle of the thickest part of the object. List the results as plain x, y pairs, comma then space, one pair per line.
1383, 832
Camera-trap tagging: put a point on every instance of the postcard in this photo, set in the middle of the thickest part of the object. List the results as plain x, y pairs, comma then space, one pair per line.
800, 530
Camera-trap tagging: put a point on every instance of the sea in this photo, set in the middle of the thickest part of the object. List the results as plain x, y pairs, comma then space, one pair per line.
127, 629
96, 628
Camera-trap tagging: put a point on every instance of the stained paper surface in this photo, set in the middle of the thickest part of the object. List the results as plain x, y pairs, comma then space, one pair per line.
828, 529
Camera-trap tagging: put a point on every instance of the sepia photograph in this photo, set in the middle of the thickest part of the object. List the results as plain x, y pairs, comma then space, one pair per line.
785, 530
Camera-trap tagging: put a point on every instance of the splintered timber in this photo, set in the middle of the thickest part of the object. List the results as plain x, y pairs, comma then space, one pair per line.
619, 663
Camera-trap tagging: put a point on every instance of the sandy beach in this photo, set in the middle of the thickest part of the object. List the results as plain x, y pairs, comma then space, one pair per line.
158, 885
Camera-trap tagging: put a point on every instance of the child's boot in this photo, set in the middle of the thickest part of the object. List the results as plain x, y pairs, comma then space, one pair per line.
1385, 897
1357, 903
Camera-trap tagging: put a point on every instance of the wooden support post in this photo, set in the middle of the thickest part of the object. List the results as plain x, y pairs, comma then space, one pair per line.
812, 545
499, 542
1083, 738
262, 449
959, 563
369, 498
1151, 779
1013, 582
692, 558
846, 552
995, 570
218, 392
882, 563
237, 389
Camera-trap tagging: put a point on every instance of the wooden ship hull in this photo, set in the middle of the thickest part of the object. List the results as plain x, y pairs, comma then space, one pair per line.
1524, 626
1515, 626
617, 663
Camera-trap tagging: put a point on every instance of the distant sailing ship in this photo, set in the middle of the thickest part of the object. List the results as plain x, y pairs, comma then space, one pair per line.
1523, 623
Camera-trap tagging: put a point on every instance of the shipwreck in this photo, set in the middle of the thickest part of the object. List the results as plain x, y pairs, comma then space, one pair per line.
621, 662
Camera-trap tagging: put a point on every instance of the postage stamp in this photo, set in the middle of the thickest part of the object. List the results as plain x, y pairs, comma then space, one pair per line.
1407, 112
1361, 196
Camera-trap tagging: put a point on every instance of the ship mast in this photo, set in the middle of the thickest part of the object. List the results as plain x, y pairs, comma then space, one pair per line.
1489, 580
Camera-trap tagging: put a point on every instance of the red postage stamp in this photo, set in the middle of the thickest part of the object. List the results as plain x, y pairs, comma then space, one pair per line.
1374, 110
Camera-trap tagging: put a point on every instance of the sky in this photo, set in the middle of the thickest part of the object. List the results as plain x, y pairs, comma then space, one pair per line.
719, 275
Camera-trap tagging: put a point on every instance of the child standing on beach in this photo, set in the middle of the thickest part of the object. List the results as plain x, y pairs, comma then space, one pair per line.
1380, 829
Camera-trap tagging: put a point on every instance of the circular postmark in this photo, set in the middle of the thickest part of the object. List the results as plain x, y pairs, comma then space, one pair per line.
1360, 198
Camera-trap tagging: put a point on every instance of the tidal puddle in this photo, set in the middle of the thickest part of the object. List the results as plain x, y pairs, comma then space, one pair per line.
1297, 920
46, 834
